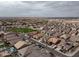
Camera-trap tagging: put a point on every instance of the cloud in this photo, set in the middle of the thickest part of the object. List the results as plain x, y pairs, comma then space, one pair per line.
40, 8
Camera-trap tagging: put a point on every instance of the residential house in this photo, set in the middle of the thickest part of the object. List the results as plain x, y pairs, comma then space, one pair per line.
20, 44
53, 40
4, 54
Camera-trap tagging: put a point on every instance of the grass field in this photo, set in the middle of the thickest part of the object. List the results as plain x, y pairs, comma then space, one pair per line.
21, 30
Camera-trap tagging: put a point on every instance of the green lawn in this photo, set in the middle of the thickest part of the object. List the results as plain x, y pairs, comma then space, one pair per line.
22, 30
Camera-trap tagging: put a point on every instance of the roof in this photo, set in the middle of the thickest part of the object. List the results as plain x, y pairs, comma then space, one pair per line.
20, 44
1, 32
37, 36
4, 53
53, 40
12, 42
65, 36
33, 33
12, 38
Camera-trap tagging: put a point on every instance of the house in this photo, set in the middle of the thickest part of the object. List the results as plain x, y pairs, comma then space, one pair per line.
13, 42
0, 23
53, 40
73, 33
65, 36
2, 34
32, 33
41, 28
38, 36
67, 46
4, 54
20, 44
12, 38
74, 38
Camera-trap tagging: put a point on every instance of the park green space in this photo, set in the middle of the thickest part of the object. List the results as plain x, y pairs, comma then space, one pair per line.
21, 30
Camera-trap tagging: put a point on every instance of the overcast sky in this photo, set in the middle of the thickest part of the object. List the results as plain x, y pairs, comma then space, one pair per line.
44, 9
